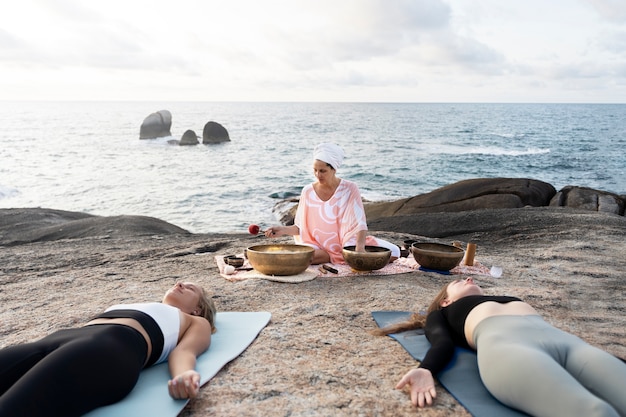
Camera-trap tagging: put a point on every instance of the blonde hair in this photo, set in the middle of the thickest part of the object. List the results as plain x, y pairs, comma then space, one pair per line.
417, 320
207, 309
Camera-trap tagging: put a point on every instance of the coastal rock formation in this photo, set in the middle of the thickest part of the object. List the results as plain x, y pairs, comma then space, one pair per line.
156, 125
487, 226
189, 138
28, 225
214, 132
316, 357
473, 194
285, 210
589, 199
477, 194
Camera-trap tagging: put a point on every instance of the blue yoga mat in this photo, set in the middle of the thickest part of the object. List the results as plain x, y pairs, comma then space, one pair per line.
150, 397
460, 377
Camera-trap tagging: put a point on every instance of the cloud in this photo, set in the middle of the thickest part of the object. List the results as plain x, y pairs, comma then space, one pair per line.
611, 10
354, 30
279, 49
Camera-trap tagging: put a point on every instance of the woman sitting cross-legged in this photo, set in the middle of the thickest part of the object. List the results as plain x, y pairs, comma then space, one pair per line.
330, 213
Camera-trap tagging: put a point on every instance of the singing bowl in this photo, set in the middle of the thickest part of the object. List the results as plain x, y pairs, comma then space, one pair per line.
280, 259
437, 255
233, 260
374, 257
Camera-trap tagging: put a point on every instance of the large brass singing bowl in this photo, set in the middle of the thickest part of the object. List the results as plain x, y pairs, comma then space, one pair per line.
374, 257
437, 255
280, 259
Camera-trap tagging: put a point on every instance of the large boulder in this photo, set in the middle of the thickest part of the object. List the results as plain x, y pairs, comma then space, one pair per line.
467, 195
497, 226
214, 132
156, 125
28, 225
589, 199
473, 194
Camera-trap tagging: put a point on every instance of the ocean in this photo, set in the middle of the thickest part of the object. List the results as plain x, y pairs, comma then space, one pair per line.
87, 156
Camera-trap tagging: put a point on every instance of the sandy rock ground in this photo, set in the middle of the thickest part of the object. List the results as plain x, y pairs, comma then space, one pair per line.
316, 357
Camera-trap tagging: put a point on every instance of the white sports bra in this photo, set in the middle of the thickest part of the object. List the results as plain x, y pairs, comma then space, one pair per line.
166, 317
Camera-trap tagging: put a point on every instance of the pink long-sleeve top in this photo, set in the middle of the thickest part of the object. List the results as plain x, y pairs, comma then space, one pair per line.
330, 225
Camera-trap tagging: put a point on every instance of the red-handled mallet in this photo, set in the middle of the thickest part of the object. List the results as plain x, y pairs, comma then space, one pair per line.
254, 229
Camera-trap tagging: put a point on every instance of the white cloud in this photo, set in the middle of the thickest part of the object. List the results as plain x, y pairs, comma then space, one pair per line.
611, 10
364, 50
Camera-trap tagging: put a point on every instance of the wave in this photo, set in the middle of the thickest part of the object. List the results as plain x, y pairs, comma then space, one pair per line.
6, 192
508, 135
484, 150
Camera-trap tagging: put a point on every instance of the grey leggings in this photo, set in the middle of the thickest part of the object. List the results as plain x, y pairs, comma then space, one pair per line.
532, 366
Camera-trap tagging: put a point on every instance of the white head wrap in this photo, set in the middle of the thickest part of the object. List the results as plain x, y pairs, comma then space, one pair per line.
329, 153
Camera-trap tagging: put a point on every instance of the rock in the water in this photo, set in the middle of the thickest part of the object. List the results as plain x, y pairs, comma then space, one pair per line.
189, 138
156, 125
214, 133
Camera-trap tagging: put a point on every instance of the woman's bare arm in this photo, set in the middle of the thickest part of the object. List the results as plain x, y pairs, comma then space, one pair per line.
185, 381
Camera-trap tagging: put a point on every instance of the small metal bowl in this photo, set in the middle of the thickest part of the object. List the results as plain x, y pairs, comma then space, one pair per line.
374, 257
280, 259
437, 256
408, 243
233, 260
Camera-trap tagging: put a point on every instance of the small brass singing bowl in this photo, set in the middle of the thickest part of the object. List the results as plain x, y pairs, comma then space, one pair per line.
233, 260
374, 257
280, 259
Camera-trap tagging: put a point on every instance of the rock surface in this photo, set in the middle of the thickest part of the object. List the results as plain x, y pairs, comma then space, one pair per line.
156, 125
189, 138
589, 199
480, 194
214, 132
20, 226
315, 358
472, 194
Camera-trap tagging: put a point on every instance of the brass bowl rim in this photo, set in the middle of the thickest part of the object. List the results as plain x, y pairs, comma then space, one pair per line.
284, 246
368, 249
453, 252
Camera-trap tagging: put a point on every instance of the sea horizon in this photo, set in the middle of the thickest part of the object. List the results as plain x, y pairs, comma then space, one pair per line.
86, 155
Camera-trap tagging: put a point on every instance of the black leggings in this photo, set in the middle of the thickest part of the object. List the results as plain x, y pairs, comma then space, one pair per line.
71, 372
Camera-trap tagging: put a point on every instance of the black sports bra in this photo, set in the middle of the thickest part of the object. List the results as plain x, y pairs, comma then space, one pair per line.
445, 329
457, 312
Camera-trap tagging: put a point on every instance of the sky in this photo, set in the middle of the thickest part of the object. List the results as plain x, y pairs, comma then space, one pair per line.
537, 51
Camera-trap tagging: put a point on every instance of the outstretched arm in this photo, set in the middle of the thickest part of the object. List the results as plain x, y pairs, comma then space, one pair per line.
185, 381
421, 386
421, 381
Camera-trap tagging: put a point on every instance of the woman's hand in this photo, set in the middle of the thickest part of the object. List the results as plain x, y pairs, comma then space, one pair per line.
185, 385
421, 385
360, 241
273, 231
276, 231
